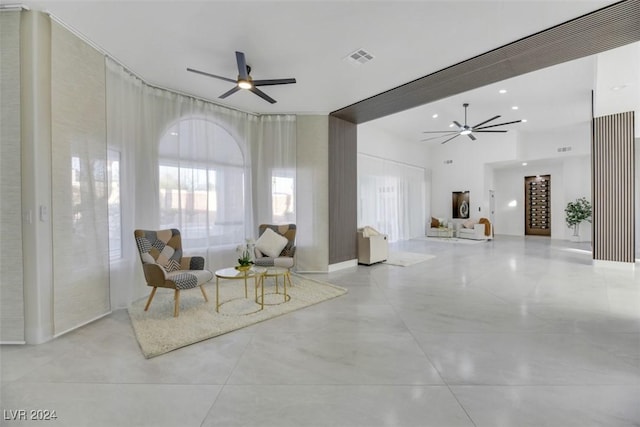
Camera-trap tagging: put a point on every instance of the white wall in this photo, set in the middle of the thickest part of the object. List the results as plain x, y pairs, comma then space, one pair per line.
467, 172
495, 163
545, 145
570, 179
378, 144
618, 82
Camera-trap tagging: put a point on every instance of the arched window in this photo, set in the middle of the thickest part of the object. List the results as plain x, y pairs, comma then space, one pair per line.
201, 181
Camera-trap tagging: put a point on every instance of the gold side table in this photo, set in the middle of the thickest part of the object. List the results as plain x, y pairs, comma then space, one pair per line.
277, 272
232, 273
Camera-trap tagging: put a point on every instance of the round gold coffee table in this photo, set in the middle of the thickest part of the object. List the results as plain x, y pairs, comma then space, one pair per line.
232, 274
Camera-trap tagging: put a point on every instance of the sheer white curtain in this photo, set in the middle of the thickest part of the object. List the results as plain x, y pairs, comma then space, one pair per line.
172, 145
391, 197
274, 157
201, 187
189, 164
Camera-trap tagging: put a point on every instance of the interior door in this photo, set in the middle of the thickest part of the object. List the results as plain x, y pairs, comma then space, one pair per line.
537, 214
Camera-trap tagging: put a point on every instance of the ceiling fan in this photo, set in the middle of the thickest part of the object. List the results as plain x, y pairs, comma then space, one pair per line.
469, 130
244, 80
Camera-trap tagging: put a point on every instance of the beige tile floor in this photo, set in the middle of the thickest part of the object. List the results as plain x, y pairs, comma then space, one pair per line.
515, 332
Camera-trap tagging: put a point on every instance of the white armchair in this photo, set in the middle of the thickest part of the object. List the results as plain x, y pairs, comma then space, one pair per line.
372, 246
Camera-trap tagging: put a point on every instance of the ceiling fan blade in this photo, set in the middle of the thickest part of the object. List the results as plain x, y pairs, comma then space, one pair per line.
229, 92
496, 131
440, 131
242, 66
444, 142
470, 135
457, 124
211, 75
436, 137
499, 124
486, 121
273, 82
263, 95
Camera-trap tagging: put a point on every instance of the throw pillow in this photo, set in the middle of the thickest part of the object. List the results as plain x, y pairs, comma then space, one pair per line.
435, 223
288, 250
271, 243
469, 223
368, 231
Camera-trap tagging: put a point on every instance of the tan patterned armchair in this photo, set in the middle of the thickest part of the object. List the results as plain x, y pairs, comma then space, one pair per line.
165, 267
285, 257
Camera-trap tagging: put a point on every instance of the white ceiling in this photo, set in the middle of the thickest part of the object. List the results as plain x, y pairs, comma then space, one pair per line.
309, 40
551, 98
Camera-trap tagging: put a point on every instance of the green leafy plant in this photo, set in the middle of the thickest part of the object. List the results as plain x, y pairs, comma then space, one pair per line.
577, 212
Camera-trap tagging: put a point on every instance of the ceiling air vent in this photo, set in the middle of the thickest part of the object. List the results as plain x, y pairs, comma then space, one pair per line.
564, 149
448, 162
359, 56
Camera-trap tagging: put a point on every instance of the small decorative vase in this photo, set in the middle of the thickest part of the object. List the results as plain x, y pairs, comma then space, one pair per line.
243, 267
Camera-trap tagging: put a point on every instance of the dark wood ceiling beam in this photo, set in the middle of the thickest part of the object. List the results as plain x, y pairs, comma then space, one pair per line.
604, 29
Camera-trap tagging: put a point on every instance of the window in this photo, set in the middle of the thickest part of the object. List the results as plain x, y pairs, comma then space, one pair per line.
114, 206
282, 196
391, 197
202, 184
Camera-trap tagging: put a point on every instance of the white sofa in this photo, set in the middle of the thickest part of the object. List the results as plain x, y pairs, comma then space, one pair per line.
440, 227
477, 232
372, 246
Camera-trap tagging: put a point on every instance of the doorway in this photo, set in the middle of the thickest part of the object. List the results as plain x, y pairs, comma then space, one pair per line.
537, 213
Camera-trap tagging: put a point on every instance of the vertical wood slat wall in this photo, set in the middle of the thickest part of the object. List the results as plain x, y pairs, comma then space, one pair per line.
343, 190
613, 187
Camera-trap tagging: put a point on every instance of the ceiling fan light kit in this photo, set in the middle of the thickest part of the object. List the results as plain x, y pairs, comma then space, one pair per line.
469, 130
244, 80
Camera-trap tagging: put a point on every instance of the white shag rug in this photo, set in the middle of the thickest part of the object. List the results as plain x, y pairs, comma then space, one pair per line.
158, 332
450, 240
405, 259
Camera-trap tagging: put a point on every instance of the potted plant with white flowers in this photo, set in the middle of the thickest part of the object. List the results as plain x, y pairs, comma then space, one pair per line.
577, 212
245, 258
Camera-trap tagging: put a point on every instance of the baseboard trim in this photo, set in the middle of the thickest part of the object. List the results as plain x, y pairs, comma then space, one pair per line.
342, 265
618, 265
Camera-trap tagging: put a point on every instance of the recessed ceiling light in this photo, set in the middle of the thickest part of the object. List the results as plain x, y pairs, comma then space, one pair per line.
451, 125
435, 116
524, 163
524, 120
502, 91
618, 87
515, 107
174, 133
